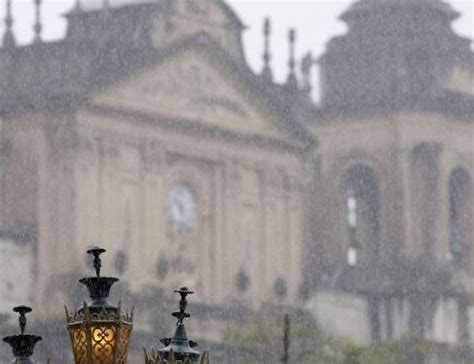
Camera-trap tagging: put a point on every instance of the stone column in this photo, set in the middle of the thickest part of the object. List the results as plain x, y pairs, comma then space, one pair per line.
410, 246
463, 321
312, 221
5, 149
57, 148
425, 164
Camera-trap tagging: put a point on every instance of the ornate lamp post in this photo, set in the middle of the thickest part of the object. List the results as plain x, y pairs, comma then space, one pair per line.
99, 331
179, 349
22, 345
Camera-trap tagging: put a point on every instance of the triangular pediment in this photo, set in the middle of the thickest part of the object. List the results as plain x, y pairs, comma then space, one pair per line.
194, 87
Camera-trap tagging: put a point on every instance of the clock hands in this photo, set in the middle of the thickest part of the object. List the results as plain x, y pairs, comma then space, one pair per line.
182, 209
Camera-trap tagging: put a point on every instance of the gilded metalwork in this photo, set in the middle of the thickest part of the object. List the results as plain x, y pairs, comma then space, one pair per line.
99, 337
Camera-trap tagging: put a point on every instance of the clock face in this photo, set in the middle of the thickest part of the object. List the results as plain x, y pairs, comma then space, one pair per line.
182, 208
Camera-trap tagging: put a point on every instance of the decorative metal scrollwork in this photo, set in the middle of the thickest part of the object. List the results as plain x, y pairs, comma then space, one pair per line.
101, 337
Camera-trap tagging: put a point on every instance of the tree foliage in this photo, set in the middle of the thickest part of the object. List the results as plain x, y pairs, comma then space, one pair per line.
262, 339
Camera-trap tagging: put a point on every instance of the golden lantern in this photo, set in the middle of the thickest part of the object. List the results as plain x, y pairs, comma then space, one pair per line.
99, 331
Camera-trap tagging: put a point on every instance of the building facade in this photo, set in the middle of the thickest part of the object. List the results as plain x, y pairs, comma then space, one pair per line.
396, 146
159, 145
146, 132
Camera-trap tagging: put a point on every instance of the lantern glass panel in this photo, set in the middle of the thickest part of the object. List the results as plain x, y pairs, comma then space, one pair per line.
79, 343
103, 343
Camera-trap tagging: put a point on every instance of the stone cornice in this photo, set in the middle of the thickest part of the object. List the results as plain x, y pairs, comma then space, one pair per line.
195, 127
453, 105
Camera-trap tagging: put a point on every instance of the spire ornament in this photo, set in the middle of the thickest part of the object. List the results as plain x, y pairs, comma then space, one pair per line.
78, 6
38, 27
9, 38
96, 252
292, 81
267, 71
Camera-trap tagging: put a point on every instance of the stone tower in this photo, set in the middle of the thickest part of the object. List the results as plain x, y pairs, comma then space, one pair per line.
397, 54
396, 163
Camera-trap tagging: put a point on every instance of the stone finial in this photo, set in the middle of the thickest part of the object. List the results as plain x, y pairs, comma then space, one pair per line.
38, 27
267, 71
106, 5
8, 37
292, 80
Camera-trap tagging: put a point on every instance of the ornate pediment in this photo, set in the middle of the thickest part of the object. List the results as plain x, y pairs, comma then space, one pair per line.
193, 87
183, 19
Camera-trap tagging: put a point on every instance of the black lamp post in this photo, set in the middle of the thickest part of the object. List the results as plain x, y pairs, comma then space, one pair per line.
179, 348
179, 344
99, 331
22, 345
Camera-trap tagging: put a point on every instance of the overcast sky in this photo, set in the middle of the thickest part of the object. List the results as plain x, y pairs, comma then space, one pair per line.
316, 22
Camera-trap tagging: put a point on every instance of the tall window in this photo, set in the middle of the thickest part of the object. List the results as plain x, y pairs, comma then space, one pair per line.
363, 208
460, 214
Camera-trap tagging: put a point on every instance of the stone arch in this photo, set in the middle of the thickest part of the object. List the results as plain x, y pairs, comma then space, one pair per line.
362, 182
460, 214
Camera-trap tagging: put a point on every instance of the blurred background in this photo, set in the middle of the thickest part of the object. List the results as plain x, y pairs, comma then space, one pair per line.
306, 167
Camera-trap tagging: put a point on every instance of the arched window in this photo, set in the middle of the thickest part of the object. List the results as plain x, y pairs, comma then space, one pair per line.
363, 211
460, 214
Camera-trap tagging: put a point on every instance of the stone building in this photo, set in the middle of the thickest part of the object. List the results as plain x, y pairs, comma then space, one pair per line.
145, 131
396, 142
